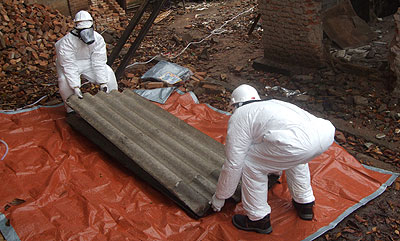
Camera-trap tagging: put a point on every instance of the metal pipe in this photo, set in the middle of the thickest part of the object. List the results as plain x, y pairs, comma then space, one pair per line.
132, 24
254, 23
139, 39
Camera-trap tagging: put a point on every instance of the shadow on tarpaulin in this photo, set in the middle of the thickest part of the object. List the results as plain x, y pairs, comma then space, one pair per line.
57, 185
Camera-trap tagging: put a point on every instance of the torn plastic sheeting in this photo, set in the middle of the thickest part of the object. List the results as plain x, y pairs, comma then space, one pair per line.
74, 191
167, 72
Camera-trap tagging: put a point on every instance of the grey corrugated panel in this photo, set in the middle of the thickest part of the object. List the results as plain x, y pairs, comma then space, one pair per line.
180, 160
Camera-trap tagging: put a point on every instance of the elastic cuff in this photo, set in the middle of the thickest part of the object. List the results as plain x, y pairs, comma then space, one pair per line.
257, 217
215, 195
304, 200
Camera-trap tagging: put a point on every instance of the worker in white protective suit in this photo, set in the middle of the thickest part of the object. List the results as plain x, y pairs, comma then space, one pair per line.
82, 52
267, 137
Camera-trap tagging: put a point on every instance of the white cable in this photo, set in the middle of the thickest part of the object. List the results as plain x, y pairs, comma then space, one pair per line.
187, 46
34, 103
26, 106
137, 63
214, 32
5, 154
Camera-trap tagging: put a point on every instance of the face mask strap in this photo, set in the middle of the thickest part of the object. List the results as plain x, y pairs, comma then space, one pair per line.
75, 32
236, 105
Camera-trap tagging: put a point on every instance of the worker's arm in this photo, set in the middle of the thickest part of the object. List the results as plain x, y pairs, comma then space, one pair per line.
66, 57
237, 145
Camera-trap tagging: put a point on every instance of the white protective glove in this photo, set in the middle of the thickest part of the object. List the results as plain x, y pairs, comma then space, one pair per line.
78, 92
103, 87
216, 203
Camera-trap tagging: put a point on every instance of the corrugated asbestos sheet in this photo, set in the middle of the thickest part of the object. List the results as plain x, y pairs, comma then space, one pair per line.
174, 157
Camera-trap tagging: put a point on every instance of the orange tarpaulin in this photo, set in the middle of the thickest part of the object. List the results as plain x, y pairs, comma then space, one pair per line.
56, 185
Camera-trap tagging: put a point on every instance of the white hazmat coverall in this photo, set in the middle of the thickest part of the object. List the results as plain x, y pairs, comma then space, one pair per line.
268, 137
75, 58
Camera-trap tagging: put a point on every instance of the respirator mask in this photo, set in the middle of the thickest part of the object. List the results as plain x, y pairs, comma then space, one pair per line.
84, 31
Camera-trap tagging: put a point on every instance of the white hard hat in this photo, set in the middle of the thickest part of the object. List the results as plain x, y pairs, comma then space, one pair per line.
244, 93
83, 24
82, 16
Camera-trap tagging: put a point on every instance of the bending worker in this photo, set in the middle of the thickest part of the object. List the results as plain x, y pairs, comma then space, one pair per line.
267, 137
82, 52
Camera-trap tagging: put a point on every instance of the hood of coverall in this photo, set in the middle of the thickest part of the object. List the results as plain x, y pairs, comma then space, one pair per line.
84, 27
242, 94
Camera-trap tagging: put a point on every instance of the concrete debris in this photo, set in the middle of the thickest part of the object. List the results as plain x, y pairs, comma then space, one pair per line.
360, 100
368, 144
284, 91
380, 136
28, 33
303, 77
344, 27
302, 98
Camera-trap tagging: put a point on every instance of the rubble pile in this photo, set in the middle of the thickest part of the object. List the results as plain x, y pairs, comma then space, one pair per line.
28, 33
108, 15
369, 58
27, 36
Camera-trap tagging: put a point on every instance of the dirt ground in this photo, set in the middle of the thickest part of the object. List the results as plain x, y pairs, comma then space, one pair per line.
355, 96
333, 92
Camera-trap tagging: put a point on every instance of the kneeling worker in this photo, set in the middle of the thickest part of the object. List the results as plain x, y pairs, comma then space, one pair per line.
82, 52
267, 137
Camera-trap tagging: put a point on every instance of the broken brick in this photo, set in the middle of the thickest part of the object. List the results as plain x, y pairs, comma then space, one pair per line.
154, 85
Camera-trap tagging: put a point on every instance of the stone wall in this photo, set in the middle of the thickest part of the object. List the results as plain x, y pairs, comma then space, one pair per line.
292, 33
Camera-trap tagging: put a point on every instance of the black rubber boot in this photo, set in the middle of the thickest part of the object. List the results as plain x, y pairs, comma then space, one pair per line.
244, 223
304, 210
